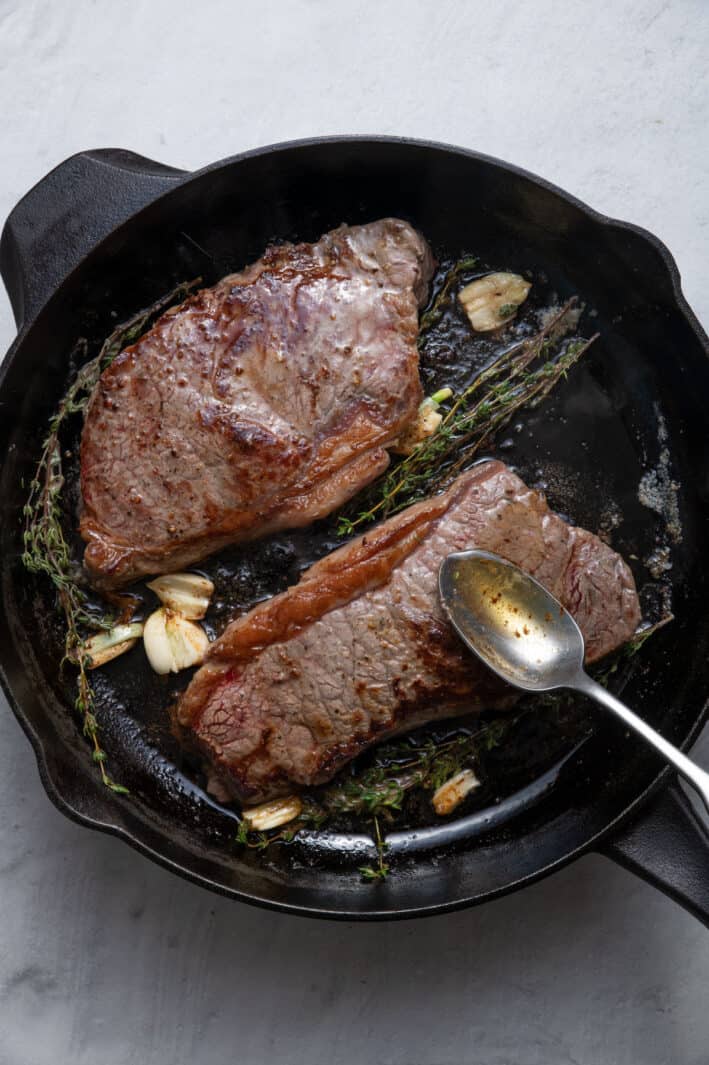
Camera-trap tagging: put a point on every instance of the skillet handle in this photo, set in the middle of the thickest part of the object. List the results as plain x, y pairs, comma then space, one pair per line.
58, 222
668, 846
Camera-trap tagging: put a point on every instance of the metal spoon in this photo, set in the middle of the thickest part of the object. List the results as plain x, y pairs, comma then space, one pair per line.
526, 636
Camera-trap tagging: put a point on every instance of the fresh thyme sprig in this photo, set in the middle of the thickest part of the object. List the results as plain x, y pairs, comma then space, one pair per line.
399, 768
379, 790
521, 375
46, 550
380, 871
435, 312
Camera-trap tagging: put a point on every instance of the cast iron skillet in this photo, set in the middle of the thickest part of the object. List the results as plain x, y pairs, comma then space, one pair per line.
105, 233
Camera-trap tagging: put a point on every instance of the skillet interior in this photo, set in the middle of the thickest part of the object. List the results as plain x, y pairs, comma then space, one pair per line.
590, 447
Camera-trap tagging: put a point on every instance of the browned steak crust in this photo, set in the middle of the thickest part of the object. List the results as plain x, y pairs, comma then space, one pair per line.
359, 649
262, 403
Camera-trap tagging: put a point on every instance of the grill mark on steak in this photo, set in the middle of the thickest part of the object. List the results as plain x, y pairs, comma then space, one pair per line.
359, 649
260, 404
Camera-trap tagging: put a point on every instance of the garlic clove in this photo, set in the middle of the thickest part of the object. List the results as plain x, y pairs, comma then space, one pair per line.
427, 421
491, 301
186, 593
272, 814
172, 642
105, 646
453, 791
157, 646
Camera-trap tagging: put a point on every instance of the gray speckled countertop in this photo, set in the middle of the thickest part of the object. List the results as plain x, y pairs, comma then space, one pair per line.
105, 959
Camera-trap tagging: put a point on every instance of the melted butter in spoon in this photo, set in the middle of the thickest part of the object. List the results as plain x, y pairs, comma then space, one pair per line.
513, 622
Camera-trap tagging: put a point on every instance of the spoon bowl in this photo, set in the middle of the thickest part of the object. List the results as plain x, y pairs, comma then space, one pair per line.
510, 621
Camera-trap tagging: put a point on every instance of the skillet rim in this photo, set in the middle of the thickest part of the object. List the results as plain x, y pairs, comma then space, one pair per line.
43, 757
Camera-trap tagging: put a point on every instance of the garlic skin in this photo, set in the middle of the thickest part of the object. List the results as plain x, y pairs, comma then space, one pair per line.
453, 791
493, 300
172, 642
185, 593
105, 646
272, 814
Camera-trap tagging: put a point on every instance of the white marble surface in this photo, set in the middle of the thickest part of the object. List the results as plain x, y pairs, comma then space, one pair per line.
104, 958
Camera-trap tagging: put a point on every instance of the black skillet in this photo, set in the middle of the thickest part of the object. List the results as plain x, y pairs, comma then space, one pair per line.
106, 233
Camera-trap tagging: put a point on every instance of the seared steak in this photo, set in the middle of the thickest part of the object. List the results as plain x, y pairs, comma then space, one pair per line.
359, 649
260, 404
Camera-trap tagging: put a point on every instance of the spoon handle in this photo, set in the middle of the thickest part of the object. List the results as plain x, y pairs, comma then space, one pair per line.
691, 772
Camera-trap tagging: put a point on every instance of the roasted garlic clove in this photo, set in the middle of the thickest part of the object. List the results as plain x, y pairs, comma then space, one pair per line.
185, 593
427, 421
104, 646
451, 794
272, 814
491, 301
172, 642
